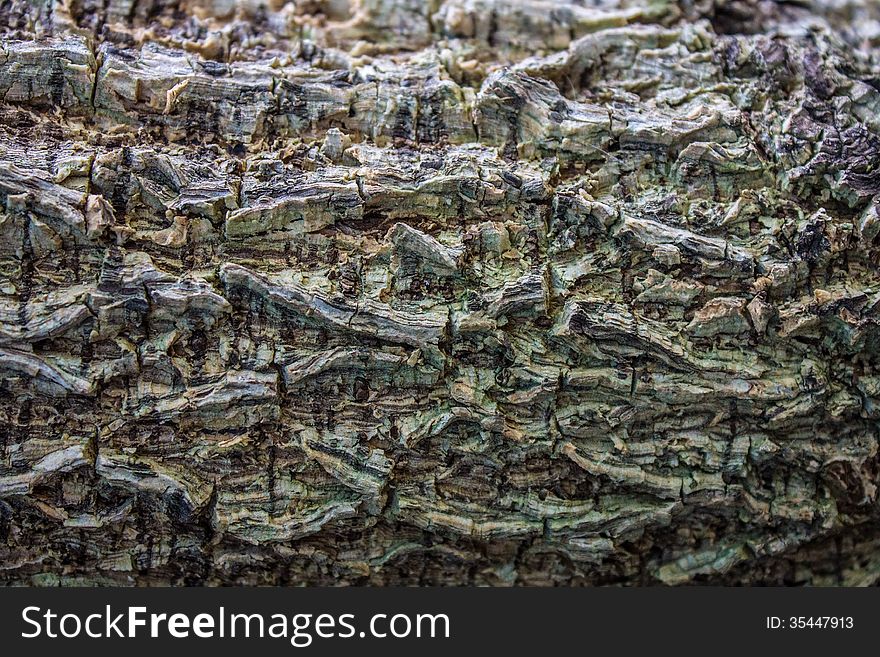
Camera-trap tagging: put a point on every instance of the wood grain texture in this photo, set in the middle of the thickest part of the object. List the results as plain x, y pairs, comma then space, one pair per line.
439, 292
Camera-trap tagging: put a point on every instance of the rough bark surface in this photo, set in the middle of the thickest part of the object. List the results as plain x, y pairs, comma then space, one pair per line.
439, 292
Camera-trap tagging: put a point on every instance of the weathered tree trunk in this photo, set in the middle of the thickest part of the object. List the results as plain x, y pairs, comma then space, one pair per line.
439, 292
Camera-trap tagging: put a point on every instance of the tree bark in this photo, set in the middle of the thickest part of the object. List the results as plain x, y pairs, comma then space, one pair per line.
442, 292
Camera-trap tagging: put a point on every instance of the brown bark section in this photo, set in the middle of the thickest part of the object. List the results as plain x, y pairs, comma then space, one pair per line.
448, 292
